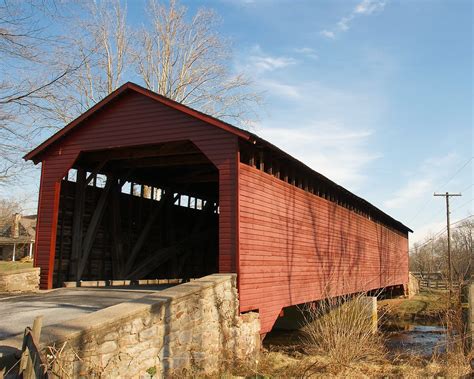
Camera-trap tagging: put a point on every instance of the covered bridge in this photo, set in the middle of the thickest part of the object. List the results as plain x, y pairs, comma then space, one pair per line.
143, 187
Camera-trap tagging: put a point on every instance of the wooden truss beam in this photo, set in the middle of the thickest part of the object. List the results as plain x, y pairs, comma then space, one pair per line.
94, 225
164, 254
116, 232
96, 170
147, 227
77, 222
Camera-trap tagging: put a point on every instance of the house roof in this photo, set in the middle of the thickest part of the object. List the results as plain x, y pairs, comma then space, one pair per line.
35, 154
27, 230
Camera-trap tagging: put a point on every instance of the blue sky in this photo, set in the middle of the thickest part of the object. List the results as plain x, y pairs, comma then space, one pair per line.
376, 95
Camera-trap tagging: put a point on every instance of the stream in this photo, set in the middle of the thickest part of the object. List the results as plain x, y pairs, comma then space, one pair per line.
407, 337
403, 337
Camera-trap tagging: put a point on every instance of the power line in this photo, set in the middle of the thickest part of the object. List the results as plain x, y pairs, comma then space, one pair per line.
440, 232
439, 188
463, 219
462, 205
441, 211
436, 235
465, 189
457, 172
447, 195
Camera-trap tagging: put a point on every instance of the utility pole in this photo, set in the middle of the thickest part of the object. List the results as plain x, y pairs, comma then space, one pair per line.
447, 195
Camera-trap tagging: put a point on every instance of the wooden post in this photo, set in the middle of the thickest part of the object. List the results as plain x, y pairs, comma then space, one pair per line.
94, 226
369, 303
277, 170
37, 325
261, 161
77, 222
14, 252
471, 314
27, 365
252, 159
116, 230
61, 238
146, 229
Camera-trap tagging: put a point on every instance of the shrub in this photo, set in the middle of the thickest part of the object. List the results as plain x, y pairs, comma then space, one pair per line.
341, 329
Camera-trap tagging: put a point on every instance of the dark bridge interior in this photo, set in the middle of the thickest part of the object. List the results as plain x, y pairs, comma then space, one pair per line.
138, 213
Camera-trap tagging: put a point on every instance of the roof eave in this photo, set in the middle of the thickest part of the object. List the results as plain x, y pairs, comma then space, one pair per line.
297, 161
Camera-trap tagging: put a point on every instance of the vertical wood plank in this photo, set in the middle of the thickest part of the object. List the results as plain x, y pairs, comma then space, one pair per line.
77, 223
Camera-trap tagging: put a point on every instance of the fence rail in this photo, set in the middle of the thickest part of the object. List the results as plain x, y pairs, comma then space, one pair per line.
433, 284
31, 363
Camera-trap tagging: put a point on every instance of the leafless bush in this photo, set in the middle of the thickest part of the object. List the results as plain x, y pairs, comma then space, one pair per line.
341, 329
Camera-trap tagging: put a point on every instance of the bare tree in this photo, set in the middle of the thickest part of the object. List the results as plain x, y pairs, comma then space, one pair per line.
100, 39
463, 254
26, 77
48, 80
187, 61
431, 255
7, 209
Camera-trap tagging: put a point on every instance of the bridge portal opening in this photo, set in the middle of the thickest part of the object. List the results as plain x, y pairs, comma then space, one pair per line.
144, 212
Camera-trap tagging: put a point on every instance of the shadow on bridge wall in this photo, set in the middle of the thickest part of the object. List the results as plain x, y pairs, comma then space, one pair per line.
328, 251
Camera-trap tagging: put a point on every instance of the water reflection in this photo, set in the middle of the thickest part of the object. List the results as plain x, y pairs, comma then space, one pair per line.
411, 338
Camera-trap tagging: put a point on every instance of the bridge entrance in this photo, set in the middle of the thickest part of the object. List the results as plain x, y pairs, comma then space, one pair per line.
145, 212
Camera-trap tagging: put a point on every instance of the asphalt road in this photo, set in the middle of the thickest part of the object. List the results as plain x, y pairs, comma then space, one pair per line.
18, 312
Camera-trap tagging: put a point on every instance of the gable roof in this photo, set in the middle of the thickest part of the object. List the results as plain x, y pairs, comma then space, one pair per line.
129, 86
35, 154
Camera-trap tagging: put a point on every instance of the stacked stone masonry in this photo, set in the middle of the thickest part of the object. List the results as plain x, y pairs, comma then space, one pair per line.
193, 329
23, 280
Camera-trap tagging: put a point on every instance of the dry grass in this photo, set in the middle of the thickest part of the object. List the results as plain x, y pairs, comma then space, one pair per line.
338, 344
341, 330
274, 364
11, 266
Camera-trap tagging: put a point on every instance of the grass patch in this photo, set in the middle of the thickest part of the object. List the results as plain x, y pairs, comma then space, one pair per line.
6, 266
427, 305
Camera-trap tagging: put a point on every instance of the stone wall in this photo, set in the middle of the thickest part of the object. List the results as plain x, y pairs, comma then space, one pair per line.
23, 280
192, 329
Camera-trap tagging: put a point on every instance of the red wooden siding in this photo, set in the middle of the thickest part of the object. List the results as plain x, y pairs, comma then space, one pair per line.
296, 247
287, 245
134, 119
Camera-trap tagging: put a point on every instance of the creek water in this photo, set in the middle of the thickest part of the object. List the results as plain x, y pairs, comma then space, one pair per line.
407, 337
402, 338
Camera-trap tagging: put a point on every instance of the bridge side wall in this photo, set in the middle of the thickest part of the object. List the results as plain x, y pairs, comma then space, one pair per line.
194, 329
295, 247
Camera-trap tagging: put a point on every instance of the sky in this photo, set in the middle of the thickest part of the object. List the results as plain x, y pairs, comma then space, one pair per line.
377, 95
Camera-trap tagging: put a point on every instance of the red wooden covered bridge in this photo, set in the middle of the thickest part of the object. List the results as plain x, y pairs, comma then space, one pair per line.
143, 187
